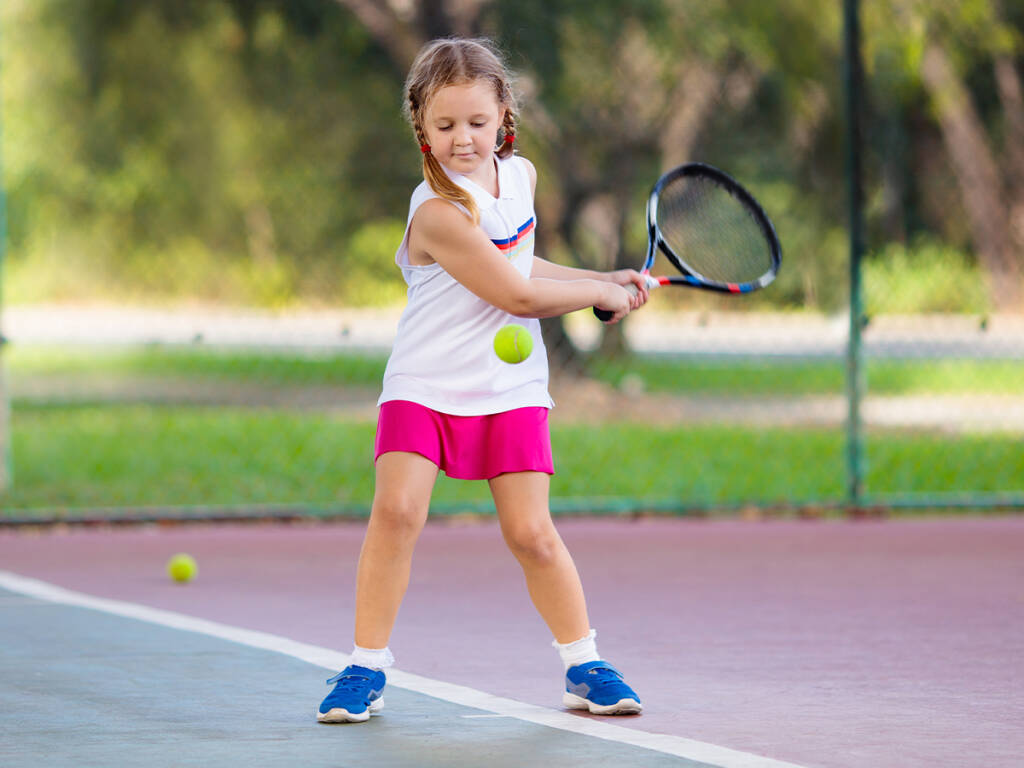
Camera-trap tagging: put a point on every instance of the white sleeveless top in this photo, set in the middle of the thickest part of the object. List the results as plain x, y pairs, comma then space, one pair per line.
443, 356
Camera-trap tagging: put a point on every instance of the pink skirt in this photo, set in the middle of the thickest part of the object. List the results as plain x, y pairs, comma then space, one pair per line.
468, 447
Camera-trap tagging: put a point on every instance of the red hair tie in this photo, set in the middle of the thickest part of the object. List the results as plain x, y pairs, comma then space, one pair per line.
424, 148
509, 138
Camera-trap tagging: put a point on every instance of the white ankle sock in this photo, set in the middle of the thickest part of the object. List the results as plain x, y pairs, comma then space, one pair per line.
372, 658
579, 651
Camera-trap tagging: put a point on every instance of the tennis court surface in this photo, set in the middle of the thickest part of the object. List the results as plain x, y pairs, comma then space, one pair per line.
823, 643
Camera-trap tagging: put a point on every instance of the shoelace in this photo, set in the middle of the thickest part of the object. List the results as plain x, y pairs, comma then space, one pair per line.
351, 683
610, 674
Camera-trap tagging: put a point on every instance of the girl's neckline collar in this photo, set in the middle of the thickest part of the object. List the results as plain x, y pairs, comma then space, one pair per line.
504, 184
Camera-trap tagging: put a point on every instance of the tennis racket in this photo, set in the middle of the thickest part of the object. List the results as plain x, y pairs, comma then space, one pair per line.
712, 230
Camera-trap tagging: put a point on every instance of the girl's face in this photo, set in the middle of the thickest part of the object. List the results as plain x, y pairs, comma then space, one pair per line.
461, 123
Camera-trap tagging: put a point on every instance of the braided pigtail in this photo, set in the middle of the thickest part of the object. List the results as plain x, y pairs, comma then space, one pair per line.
507, 135
450, 62
436, 177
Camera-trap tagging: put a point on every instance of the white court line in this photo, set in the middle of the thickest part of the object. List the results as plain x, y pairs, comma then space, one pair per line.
456, 694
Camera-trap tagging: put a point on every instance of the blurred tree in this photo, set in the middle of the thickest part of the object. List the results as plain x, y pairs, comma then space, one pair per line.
948, 45
613, 97
237, 149
168, 148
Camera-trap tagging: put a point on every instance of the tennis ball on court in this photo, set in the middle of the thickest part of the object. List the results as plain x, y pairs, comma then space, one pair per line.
513, 343
182, 568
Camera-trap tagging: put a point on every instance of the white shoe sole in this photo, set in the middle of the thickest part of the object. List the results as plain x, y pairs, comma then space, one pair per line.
339, 715
621, 707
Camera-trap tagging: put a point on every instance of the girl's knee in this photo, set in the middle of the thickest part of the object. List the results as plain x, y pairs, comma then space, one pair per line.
399, 513
537, 544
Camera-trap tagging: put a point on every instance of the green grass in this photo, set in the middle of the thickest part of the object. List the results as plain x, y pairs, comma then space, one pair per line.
196, 362
765, 377
80, 455
68, 457
116, 456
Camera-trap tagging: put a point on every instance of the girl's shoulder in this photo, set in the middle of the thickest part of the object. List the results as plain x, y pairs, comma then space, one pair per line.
422, 192
517, 160
425, 198
525, 168
531, 173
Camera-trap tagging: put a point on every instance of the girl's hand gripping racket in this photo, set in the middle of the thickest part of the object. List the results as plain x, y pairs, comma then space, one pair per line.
712, 230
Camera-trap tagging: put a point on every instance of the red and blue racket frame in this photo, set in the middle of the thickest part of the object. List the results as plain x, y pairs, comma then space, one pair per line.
688, 276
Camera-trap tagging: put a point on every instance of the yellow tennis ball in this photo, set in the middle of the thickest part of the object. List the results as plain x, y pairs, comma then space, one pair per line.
513, 343
182, 568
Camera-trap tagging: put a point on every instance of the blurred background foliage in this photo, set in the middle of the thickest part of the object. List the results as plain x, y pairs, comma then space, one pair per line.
227, 180
252, 152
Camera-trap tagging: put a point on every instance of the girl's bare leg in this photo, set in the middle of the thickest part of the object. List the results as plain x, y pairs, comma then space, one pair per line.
404, 482
521, 499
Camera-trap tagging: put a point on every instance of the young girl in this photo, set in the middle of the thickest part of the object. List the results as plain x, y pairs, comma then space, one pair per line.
448, 402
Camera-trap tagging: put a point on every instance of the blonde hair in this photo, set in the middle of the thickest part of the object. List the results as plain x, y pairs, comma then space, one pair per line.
456, 61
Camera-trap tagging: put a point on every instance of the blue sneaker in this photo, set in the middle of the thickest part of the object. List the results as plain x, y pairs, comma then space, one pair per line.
356, 696
598, 686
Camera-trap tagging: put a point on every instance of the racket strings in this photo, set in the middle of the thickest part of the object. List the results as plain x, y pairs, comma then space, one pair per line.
712, 232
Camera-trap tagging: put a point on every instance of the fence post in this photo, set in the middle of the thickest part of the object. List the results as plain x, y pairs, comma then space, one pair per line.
852, 76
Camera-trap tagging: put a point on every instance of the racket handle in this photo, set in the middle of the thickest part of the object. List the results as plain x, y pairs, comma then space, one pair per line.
604, 315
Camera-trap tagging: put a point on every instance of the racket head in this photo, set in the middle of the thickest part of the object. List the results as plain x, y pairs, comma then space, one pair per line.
712, 230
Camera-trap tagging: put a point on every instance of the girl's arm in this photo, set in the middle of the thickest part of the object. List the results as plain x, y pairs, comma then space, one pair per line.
443, 233
552, 271
547, 269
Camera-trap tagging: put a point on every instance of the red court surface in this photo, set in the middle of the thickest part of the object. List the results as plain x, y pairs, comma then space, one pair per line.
824, 643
